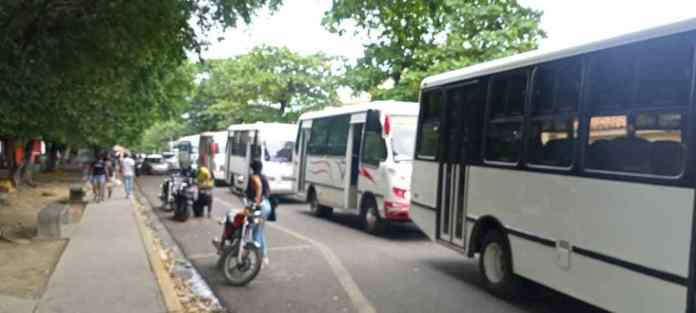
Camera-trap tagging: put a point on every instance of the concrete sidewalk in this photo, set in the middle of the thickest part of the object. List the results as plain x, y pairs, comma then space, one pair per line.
104, 267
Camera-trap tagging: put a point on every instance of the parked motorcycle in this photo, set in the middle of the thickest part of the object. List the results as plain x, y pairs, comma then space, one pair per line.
167, 193
184, 198
240, 255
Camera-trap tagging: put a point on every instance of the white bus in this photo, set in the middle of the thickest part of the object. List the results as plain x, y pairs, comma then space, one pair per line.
358, 157
271, 143
573, 168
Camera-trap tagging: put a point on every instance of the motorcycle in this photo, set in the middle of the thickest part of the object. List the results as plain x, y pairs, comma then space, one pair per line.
184, 198
167, 193
240, 255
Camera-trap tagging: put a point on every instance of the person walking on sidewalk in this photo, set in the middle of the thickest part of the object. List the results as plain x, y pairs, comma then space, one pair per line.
258, 191
110, 176
206, 182
98, 171
128, 173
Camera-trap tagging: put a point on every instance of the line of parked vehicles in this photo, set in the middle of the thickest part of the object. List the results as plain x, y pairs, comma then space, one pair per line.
569, 167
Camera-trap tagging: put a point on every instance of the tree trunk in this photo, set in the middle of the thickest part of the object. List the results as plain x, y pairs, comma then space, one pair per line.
52, 158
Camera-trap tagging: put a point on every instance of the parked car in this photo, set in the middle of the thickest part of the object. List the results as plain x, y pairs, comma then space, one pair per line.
170, 157
155, 164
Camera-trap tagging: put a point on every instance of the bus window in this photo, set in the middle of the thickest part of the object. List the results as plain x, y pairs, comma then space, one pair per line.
338, 139
504, 128
429, 132
610, 73
319, 136
503, 142
552, 141
643, 143
403, 136
375, 149
664, 81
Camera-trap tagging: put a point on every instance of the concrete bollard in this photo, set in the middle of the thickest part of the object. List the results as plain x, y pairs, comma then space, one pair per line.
51, 221
77, 194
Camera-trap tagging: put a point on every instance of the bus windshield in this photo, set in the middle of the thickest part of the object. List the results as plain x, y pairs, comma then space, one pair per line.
278, 151
403, 137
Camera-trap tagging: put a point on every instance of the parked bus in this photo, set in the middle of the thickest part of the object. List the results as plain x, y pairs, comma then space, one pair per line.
269, 142
573, 168
220, 139
359, 158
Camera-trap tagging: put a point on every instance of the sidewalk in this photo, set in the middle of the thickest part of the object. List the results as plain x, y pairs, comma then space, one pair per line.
104, 267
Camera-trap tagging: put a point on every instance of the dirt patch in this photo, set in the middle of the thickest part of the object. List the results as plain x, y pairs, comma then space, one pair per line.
26, 265
25, 269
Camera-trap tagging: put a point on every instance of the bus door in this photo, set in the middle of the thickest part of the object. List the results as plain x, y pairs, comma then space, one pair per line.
454, 151
301, 158
355, 136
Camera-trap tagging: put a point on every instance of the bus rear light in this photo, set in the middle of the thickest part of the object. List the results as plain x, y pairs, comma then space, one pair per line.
396, 211
387, 125
399, 192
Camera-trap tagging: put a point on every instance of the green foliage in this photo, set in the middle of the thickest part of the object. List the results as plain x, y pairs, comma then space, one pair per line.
412, 39
267, 84
156, 137
98, 72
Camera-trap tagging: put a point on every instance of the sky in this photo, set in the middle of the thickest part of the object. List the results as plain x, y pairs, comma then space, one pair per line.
297, 25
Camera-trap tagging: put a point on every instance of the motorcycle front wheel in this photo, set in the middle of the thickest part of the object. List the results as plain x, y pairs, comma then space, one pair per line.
240, 274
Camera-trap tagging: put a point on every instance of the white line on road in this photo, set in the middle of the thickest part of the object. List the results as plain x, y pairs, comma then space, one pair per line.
360, 302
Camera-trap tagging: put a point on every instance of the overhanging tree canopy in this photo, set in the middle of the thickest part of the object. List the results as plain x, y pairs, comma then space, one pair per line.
411, 39
100, 71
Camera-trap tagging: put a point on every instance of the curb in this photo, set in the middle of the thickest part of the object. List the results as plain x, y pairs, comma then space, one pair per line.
155, 225
166, 286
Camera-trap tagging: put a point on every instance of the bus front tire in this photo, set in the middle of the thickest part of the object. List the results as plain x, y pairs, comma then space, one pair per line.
495, 264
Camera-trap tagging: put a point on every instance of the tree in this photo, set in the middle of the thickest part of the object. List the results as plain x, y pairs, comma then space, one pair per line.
71, 67
267, 84
411, 39
98, 72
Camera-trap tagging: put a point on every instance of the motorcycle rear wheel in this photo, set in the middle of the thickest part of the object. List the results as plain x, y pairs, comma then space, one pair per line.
182, 212
241, 274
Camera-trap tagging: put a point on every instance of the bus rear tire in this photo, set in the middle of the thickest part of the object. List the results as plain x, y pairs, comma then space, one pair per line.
371, 221
317, 209
495, 264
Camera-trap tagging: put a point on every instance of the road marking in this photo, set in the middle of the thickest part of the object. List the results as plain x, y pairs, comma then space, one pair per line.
357, 298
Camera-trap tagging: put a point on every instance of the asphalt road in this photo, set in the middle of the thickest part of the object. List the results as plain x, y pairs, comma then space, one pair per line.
330, 265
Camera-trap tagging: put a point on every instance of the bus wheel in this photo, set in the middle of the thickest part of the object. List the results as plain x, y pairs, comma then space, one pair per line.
495, 263
316, 208
372, 222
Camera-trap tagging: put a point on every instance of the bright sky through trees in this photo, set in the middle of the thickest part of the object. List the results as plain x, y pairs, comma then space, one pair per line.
297, 25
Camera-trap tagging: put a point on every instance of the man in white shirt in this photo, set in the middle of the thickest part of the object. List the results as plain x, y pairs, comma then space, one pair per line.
128, 172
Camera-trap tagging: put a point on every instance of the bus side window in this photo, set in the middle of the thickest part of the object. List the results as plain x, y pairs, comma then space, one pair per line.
504, 124
429, 126
375, 148
319, 136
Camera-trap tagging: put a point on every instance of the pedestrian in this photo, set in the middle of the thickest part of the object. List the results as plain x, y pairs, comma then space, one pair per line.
98, 171
110, 175
258, 192
206, 182
128, 172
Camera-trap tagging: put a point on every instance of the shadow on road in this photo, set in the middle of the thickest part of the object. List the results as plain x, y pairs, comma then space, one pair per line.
533, 297
395, 231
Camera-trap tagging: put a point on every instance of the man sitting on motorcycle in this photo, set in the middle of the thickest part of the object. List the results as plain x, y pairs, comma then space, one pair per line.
206, 182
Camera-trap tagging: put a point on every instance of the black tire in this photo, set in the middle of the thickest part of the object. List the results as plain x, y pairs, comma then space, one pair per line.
316, 208
182, 212
495, 265
372, 223
251, 269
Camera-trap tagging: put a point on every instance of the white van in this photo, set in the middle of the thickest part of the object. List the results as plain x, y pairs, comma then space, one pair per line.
272, 144
359, 158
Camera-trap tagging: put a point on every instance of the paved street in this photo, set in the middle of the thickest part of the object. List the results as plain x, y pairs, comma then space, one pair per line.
320, 265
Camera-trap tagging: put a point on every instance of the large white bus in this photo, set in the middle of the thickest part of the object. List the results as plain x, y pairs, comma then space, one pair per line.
359, 158
272, 143
573, 168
